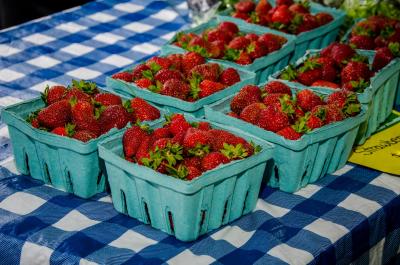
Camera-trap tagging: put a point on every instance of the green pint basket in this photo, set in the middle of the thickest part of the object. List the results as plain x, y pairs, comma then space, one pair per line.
298, 163
185, 209
64, 163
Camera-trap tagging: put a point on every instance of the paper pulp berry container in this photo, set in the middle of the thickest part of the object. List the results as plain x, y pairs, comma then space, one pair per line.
65, 163
297, 163
378, 98
314, 39
263, 66
173, 104
185, 209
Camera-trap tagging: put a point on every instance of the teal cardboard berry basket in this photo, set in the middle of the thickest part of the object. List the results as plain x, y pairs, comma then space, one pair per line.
303, 161
313, 39
379, 97
65, 163
173, 104
263, 66
185, 209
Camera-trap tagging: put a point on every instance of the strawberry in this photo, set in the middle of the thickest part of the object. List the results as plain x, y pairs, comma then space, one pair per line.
277, 87
362, 42
229, 77
161, 143
346, 101
207, 71
233, 114
355, 71
324, 83
176, 61
282, 15
166, 74
219, 137
289, 133
35, 123
307, 100
178, 124
115, 116
247, 95
301, 8
132, 139
238, 43
143, 83
263, 7
143, 149
204, 126
217, 34
333, 114
190, 60
245, 6
193, 161
339, 52
273, 119
251, 113
81, 112
309, 73
143, 110
240, 15
213, 160
66, 130
356, 86
284, 2
125, 76
308, 22
84, 135
55, 115
384, 55
162, 132
323, 18
175, 88
244, 58
197, 142
271, 99
273, 42
157, 62
208, 87
193, 172
229, 27
328, 68
78, 94
137, 72
53, 94
257, 49
314, 122
107, 99
251, 37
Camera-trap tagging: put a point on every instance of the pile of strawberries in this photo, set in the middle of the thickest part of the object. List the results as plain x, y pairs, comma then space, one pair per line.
337, 66
287, 16
275, 108
184, 76
84, 113
379, 33
182, 149
226, 42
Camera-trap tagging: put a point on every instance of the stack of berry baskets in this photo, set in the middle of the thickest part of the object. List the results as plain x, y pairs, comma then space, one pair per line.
185, 177
380, 34
238, 45
314, 26
55, 137
339, 66
179, 82
313, 133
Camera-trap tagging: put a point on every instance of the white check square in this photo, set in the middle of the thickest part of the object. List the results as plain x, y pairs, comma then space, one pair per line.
116, 60
33, 254
138, 27
274, 210
133, 241
42, 86
187, 257
43, 62
38, 39
77, 49
291, 255
6, 50
87, 262
84, 73
108, 38
21, 203
146, 48
359, 204
233, 235
8, 75
71, 27
74, 221
308, 191
128, 7
8, 100
102, 17
327, 229
388, 182
165, 15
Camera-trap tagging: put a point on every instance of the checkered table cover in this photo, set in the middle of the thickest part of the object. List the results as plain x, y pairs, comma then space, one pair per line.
350, 216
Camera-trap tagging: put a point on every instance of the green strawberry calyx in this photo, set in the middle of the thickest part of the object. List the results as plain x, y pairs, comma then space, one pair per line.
234, 151
199, 150
289, 73
87, 87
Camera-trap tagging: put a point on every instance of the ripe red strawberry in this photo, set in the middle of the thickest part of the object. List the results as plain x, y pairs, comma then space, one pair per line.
251, 37
219, 138
197, 142
207, 71
333, 114
192, 161
81, 112
273, 42
143, 110
125, 76
178, 124
284, 2
84, 135
166, 74
229, 77
213, 160
107, 99
245, 6
314, 122
137, 72
132, 139
208, 87
355, 71
193, 172
356, 86
55, 115
229, 27
301, 8
323, 18
308, 22
233, 114
346, 101
257, 49
239, 43
263, 7
247, 95
66, 130
197, 41
277, 87
384, 55
273, 119
143, 83
161, 143
307, 100
215, 49
244, 58
251, 113
203, 125
289, 133
328, 68
241, 15
339, 52
175, 88
324, 83
190, 60
217, 34
143, 149
53, 94
78, 94
309, 76
115, 116
162, 132
176, 61
158, 62
35, 122
282, 15
362, 42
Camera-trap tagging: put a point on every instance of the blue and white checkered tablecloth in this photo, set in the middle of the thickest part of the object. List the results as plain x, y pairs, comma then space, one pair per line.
352, 216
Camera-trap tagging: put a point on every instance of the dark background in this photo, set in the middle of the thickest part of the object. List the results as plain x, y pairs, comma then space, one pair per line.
14, 12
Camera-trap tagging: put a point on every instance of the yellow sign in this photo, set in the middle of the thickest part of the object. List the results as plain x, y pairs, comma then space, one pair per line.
381, 151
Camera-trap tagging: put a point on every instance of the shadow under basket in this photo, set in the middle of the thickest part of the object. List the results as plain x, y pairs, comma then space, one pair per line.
185, 209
